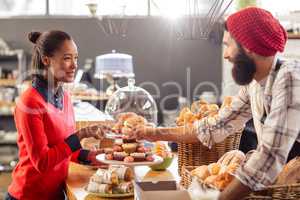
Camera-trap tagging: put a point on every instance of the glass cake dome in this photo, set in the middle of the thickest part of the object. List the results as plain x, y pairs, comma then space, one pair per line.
132, 99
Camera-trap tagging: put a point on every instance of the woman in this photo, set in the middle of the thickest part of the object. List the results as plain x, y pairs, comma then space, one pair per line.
45, 122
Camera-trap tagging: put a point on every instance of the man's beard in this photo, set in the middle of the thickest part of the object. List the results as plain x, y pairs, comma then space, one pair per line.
244, 68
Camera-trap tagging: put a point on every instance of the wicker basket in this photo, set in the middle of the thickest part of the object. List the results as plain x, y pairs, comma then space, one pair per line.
186, 177
274, 192
197, 154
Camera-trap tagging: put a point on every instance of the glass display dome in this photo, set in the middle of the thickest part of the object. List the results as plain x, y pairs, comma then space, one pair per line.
132, 99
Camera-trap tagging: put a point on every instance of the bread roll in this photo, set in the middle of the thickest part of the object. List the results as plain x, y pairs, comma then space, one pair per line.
121, 118
210, 180
124, 116
134, 121
201, 172
188, 117
220, 184
214, 168
239, 157
234, 156
204, 109
213, 107
117, 127
290, 173
232, 167
196, 106
227, 102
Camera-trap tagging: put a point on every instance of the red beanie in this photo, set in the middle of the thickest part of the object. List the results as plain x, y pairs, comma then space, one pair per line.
257, 30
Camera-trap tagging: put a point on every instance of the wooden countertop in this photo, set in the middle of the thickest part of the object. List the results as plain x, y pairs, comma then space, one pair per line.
79, 175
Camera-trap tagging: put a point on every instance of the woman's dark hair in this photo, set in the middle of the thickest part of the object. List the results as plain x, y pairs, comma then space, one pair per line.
46, 44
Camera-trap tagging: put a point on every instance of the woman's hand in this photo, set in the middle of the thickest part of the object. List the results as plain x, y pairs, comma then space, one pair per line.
95, 131
92, 158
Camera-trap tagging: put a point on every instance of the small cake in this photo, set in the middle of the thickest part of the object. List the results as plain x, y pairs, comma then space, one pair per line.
119, 155
138, 156
129, 147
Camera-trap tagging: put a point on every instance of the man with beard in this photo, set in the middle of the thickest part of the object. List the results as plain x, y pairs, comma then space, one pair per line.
270, 94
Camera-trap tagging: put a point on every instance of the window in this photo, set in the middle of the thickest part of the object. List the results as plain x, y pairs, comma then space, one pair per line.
177, 8
22, 7
105, 7
279, 7
171, 8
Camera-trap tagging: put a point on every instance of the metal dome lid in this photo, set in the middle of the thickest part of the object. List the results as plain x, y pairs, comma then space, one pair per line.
114, 55
116, 64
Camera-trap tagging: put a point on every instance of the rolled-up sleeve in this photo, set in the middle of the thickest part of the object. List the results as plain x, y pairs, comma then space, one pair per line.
280, 131
229, 120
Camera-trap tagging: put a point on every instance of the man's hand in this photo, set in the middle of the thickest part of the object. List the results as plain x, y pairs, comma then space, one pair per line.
234, 191
142, 132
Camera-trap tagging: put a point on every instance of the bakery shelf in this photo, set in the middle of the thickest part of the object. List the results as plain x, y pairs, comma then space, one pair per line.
8, 82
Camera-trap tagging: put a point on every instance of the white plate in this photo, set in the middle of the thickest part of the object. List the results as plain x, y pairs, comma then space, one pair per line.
104, 195
157, 160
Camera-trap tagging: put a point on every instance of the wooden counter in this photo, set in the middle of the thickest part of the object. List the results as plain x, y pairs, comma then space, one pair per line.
79, 176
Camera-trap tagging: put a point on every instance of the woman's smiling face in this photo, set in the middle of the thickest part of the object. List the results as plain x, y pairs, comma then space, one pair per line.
63, 64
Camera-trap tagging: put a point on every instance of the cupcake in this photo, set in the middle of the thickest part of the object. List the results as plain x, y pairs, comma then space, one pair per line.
129, 147
119, 155
138, 156
129, 140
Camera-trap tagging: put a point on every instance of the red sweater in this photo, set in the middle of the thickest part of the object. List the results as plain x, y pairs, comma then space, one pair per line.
46, 143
